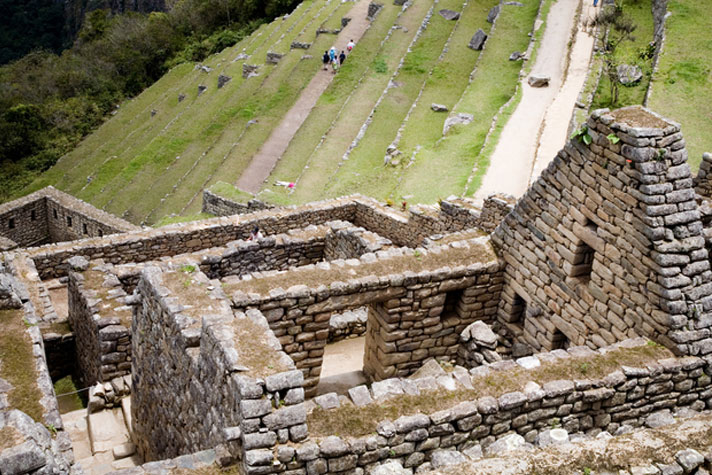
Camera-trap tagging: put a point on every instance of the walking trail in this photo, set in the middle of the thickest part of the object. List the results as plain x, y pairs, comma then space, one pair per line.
538, 128
266, 158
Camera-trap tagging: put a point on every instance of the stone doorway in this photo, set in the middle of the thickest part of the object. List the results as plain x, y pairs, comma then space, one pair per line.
342, 366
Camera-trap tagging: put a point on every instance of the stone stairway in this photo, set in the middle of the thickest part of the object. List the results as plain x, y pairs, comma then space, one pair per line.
102, 440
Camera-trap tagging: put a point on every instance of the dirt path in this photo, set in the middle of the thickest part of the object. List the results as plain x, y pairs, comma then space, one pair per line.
266, 158
543, 114
555, 127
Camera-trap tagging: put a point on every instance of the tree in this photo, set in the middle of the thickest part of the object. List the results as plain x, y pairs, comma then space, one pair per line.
620, 28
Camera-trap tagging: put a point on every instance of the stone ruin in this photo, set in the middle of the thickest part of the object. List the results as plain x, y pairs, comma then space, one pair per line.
493, 334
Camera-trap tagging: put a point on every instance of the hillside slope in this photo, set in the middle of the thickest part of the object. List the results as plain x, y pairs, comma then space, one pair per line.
158, 152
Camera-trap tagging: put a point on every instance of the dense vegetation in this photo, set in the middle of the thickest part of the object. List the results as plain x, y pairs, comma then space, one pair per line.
30, 24
48, 102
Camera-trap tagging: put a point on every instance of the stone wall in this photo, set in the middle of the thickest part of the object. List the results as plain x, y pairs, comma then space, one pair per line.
625, 397
100, 319
703, 180
220, 206
278, 252
30, 447
346, 241
607, 244
416, 311
48, 215
25, 223
208, 378
147, 245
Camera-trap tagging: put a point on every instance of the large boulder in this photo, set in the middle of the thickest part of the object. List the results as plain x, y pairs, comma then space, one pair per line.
249, 70
480, 333
273, 58
222, 80
373, 10
438, 107
538, 81
477, 42
629, 74
449, 14
493, 14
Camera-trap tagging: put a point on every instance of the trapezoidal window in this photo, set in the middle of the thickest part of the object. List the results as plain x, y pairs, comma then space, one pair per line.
519, 310
54, 212
559, 341
84, 228
583, 255
11, 223
101, 233
451, 301
69, 221
33, 215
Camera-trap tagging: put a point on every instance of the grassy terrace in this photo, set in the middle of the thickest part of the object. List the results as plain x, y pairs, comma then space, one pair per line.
346, 104
443, 168
133, 127
363, 169
352, 421
17, 364
681, 88
269, 104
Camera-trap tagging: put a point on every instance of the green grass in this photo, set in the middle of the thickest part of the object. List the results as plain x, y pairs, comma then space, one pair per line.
230, 192
681, 88
203, 131
628, 52
364, 169
18, 365
166, 220
67, 397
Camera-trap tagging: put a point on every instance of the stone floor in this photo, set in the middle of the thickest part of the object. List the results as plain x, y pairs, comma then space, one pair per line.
101, 441
342, 368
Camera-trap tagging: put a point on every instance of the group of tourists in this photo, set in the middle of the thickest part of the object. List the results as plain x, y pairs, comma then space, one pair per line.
334, 58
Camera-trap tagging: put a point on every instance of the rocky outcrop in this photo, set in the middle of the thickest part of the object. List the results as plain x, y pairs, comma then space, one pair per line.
449, 14
457, 119
629, 74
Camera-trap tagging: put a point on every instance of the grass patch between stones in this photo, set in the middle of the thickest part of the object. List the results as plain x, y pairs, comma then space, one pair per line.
681, 87
17, 365
415, 262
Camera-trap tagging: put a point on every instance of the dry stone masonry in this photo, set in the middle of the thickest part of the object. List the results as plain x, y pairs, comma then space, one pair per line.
582, 310
48, 215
